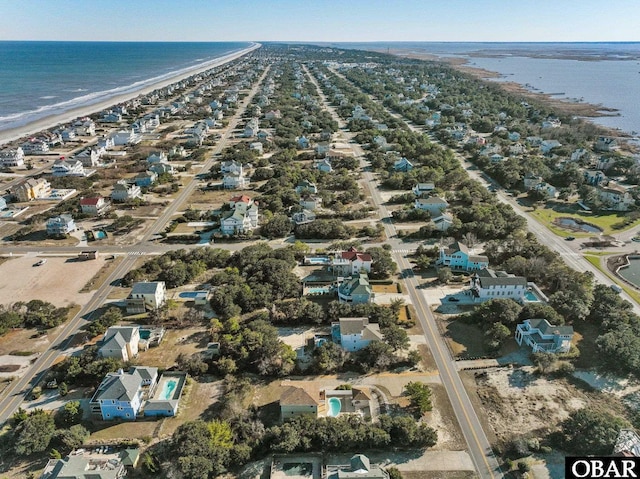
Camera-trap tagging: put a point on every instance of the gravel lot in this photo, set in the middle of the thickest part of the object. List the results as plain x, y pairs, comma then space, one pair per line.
58, 281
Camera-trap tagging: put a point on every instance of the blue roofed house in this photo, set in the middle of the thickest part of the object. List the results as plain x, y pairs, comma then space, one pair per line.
60, 225
120, 394
544, 337
403, 165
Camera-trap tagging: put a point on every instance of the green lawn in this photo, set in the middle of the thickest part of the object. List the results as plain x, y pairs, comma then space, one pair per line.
604, 221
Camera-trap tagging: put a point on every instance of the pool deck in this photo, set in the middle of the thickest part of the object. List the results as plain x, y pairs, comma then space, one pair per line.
165, 378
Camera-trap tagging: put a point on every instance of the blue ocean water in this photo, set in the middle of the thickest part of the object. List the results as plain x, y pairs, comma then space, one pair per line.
39, 79
606, 74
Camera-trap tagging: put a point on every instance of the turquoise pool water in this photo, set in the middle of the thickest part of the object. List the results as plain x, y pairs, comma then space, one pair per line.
319, 290
99, 234
530, 296
167, 389
318, 260
334, 407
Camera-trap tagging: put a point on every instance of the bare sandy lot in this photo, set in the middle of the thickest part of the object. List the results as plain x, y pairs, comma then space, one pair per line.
58, 281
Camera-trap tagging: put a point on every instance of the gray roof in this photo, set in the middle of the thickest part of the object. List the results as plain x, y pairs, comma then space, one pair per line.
455, 247
352, 325
145, 287
80, 467
488, 277
295, 396
126, 332
161, 404
114, 341
121, 386
546, 328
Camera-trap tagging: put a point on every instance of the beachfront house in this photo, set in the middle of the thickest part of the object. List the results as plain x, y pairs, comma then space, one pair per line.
31, 189
458, 257
489, 284
543, 337
60, 225
120, 394
122, 191
35, 146
356, 289
295, 402
146, 295
353, 334
120, 342
434, 205
11, 157
95, 206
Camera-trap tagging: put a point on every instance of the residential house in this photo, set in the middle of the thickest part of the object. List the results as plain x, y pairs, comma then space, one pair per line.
89, 157
78, 466
34, 146
68, 134
96, 205
615, 197
145, 178
458, 257
514, 136
111, 117
434, 205
594, 177
60, 225
120, 394
146, 295
303, 217
324, 166
273, 114
356, 289
178, 152
120, 342
256, 146
31, 189
251, 128
106, 142
85, 127
263, 135
581, 154
605, 143
496, 158
310, 202
125, 137
244, 199
11, 157
489, 284
231, 167
162, 168
122, 191
68, 168
302, 142
356, 333
243, 219
351, 262
551, 123
547, 145
549, 191
530, 181
295, 402
359, 467
235, 180
403, 165
422, 189
442, 222
306, 187
321, 150
157, 157
543, 337
3, 203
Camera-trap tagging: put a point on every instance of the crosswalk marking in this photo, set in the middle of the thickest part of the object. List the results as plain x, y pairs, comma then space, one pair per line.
136, 253
404, 251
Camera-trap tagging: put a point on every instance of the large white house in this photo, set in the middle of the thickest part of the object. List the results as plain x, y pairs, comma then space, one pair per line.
120, 342
356, 333
122, 191
434, 205
351, 262
457, 256
243, 218
489, 284
544, 337
615, 197
234, 180
143, 296
94, 205
68, 168
12, 157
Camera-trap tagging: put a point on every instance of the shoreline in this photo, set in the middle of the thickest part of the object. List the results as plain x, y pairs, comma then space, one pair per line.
13, 134
581, 109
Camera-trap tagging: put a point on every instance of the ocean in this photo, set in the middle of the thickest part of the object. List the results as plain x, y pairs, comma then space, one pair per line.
40, 79
606, 74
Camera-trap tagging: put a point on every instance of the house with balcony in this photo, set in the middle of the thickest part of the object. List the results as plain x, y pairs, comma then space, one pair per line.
543, 337
35, 146
77, 465
146, 295
352, 261
235, 180
90, 157
459, 257
145, 178
31, 189
402, 165
157, 157
489, 284
122, 191
60, 225
120, 342
232, 166
120, 394
303, 217
615, 197
359, 467
353, 334
95, 206
11, 157
356, 289
442, 222
72, 167
243, 218
423, 189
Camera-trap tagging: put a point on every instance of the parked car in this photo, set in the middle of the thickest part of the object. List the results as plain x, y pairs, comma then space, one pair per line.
570, 238
41, 262
453, 299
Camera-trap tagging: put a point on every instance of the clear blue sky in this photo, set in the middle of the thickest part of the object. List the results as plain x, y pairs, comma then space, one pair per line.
321, 20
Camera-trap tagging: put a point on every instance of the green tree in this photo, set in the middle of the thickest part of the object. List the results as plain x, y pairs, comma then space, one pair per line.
69, 415
278, 226
396, 337
445, 275
34, 433
420, 396
591, 432
382, 265
72, 438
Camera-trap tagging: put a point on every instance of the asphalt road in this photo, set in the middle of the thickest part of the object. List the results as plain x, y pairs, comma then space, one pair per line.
479, 447
16, 393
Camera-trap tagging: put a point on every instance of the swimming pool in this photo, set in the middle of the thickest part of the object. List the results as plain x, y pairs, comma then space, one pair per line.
531, 297
99, 234
318, 260
167, 389
334, 407
319, 290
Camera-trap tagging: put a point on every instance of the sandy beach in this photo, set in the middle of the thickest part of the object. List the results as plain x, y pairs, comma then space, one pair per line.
13, 134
